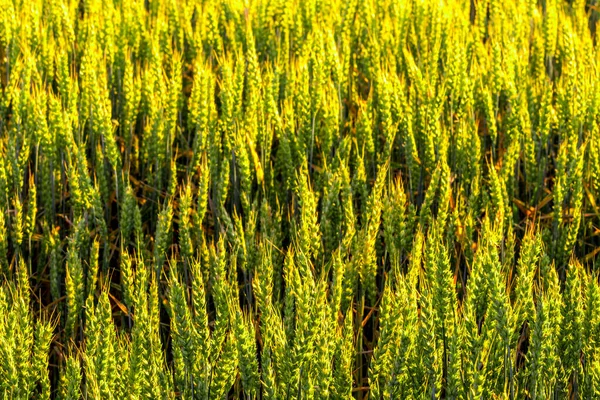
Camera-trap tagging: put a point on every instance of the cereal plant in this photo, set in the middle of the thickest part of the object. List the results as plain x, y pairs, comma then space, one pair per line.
299, 199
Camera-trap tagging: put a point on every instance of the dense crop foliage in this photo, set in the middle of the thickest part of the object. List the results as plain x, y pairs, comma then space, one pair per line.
279, 199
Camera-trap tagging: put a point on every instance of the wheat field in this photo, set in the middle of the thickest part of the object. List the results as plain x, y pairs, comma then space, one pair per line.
299, 199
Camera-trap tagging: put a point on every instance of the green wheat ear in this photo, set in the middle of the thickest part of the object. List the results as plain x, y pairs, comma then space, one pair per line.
70, 381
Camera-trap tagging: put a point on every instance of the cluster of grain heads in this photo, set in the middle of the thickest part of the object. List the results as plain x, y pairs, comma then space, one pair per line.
25, 343
300, 200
